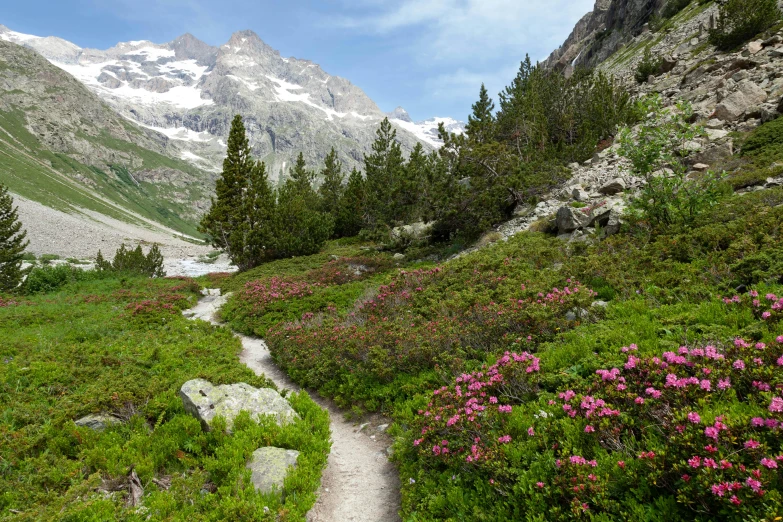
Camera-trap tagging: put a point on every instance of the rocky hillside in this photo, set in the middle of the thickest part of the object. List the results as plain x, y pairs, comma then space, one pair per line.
189, 91
731, 94
65, 148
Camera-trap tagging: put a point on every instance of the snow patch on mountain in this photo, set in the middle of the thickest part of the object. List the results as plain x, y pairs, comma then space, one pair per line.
426, 130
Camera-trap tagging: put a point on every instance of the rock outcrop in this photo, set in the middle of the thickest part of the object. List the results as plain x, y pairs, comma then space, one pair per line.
270, 467
205, 402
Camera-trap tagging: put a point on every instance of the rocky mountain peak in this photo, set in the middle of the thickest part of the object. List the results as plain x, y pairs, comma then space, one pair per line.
400, 114
248, 42
188, 47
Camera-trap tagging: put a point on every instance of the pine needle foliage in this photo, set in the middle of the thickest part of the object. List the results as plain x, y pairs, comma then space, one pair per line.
12, 243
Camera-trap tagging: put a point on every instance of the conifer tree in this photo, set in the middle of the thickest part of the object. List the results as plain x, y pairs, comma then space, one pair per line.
384, 171
299, 227
154, 262
480, 127
412, 187
259, 210
351, 212
12, 243
331, 188
222, 223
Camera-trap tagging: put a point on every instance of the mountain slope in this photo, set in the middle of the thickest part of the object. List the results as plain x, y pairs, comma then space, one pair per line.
63, 147
189, 91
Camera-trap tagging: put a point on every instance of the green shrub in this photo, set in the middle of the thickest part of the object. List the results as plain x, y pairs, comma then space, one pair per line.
46, 279
47, 259
668, 196
649, 66
133, 262
741, 20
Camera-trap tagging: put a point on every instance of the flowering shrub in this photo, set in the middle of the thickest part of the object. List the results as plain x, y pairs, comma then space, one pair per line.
161, 305
693, 432
386, 335
259, 294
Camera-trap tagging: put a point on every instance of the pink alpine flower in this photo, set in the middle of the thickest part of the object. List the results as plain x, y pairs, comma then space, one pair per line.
739, 364
776, 406
694, 417
769, 463
531, 431
711, 432
589, 429
504, 439
751, 444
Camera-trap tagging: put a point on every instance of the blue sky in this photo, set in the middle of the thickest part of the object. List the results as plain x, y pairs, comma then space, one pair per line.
429, 56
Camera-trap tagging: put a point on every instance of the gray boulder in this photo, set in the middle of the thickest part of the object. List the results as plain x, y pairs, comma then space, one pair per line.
269, 467
569, 219
748, 96
613, 187
579, 194
608, 218
97, 421
414, 231
205, 402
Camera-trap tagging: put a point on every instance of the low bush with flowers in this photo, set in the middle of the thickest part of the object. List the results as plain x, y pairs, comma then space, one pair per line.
265, 302
692, 433
367, 354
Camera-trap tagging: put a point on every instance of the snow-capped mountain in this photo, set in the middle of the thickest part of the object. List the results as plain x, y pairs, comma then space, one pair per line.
425, 130
189, 92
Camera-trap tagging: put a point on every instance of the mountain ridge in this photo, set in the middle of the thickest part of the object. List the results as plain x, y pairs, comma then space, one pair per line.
189, 91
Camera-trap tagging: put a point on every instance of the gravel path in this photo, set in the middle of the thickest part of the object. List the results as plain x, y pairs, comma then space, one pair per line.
359, 483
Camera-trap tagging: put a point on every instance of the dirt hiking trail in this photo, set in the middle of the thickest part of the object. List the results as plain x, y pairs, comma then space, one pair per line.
359, 483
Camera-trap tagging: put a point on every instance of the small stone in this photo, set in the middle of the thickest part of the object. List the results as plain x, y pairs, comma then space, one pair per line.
701, 167
363, 426
599, 304
97, 422
755, 47
579, 194
398, 257
270, 467
613, 187
382, 428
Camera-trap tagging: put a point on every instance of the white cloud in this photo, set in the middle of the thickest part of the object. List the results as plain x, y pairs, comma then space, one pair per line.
458, 30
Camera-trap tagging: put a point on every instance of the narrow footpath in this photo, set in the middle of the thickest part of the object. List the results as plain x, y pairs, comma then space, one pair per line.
359, 483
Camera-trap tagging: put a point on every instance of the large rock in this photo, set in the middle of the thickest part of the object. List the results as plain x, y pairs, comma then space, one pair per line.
205, 402
714, 154
613, 187
609, 219
569, 219
270, 467
747, 97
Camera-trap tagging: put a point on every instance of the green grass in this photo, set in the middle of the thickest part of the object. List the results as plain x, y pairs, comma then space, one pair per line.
83, 350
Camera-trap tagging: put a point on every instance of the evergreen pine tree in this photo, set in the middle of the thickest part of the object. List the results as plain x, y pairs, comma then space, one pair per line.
154, 263
101, 264
222, 223
299, 227
412, 187
384, 171
259, 210
480, 127
331, 188
351, 212
12, 243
